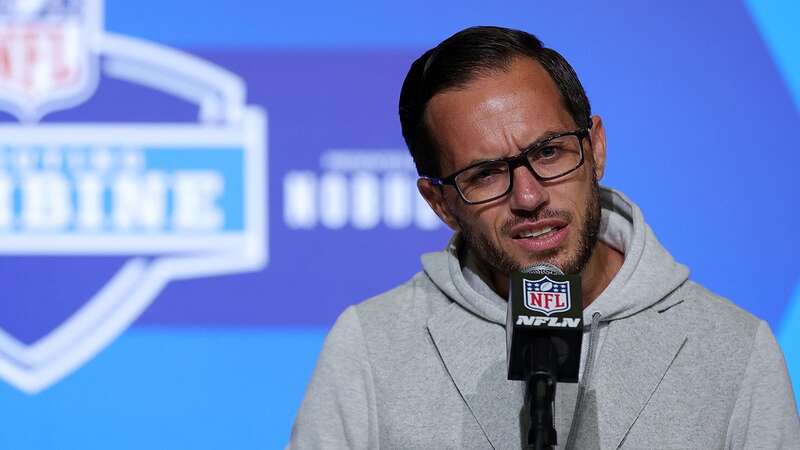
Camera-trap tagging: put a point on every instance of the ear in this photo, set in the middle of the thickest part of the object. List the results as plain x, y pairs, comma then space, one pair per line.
598, 135
434, 195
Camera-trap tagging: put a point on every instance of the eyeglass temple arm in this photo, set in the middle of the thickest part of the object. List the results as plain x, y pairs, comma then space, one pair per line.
436, 181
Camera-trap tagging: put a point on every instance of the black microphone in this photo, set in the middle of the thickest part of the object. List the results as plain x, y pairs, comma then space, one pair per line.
543, 339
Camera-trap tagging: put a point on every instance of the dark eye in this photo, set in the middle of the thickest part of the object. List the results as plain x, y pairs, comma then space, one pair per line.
484, 174
548, 152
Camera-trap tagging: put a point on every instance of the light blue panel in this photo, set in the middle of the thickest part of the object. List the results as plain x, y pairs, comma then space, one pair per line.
789, 338
778, 22
227, 162
171, 389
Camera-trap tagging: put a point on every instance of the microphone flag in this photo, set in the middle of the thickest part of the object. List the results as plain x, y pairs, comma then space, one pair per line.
545, 306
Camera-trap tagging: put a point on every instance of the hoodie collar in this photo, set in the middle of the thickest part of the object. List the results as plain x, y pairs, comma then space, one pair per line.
648, 274
444, 268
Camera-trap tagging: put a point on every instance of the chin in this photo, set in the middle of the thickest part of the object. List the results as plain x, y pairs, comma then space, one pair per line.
558, 257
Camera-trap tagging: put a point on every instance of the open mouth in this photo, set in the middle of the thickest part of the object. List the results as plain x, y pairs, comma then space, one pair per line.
541, 236
538, 233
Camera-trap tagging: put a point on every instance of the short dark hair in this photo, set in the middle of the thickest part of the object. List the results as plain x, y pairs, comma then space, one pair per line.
461, 58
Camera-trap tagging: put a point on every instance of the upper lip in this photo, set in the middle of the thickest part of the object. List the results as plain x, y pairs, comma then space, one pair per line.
532, 227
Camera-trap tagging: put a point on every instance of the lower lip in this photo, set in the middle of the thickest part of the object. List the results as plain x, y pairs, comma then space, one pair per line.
543, 243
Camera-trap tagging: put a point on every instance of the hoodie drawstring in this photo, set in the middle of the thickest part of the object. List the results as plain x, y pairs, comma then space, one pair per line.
585, 381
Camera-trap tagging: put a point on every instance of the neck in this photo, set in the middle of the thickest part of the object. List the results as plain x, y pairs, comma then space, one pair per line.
603, 265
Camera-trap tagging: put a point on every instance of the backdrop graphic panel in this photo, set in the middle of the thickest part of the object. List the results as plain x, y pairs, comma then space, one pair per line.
161, 215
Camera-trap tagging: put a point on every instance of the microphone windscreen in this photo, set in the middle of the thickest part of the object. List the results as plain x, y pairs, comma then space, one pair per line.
543, 268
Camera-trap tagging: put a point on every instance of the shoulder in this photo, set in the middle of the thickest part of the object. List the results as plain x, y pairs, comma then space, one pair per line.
738, 351
409, 305
696, 307
721, 336
390, 331
397, 318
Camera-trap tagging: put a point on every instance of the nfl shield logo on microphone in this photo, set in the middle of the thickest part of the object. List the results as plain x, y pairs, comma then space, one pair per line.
547, 296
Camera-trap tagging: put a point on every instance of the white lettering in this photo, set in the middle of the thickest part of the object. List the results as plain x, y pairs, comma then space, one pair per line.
300, 200
195, 197
536, 321
52, 189
333, 200
139, 201
6, 201
89, 190
101, 160
397, 197
540, 321
362, 199
525, 320
46, 201
366, 201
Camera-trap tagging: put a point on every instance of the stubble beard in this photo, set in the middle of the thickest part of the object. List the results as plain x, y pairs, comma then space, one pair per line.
500, 261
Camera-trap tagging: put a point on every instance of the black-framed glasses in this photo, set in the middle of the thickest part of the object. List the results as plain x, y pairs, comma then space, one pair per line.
551, 158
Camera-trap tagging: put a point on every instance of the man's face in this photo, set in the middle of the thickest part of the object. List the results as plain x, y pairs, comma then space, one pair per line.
496, 116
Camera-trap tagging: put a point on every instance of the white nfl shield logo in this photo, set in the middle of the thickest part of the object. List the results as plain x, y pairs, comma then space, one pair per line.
48, 55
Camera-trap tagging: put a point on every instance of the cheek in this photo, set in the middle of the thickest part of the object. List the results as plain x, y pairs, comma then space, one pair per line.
492, 223
578, 189
486, 220
573, 197
455, 208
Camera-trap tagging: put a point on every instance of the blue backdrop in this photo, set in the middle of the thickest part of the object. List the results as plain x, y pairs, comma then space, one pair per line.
146, 324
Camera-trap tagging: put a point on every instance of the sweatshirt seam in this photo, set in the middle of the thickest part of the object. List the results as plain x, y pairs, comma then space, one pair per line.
652, 393
583, 385
740, 385
456, 387
372, 405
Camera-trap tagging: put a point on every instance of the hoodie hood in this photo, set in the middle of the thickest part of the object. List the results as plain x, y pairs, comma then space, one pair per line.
648, 274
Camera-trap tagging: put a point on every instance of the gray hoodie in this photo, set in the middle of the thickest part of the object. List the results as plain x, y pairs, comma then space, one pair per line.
666, 364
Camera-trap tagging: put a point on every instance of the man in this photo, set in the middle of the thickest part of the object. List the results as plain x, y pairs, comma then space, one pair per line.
510, 157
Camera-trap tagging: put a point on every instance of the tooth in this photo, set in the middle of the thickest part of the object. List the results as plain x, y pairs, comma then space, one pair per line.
538, 233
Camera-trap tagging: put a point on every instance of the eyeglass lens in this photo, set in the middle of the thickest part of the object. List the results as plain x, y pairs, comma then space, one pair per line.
492, 179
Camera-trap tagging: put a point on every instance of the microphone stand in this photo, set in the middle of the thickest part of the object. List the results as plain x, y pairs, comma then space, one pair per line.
540, 393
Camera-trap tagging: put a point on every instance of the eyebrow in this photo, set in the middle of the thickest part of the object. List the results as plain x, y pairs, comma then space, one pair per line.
543, 137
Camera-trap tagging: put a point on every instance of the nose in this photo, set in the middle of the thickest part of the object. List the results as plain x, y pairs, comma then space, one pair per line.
527, 193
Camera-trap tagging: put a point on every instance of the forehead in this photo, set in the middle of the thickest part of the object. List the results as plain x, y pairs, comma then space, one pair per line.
496, 115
